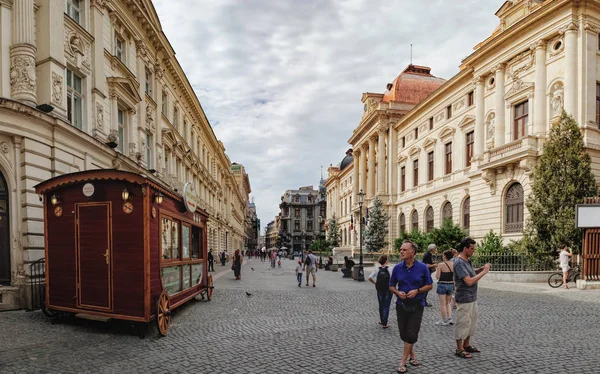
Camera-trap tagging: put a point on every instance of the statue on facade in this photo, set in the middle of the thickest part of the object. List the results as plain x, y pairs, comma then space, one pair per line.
557, 100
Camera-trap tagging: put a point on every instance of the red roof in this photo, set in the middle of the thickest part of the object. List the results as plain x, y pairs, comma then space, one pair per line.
413, 85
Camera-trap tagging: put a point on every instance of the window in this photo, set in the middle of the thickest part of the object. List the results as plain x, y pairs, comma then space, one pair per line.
119, 48
402, 223
520, 122
447, 212
404, 138
430, 166
414, 219
74, 10
470, 98
176, 118
286, 211
309, 213
148, 87
296, 212
403, 178
598, 105
296, 225
449, 111
74, 100
309, 226
448, 163
415, 173
149, 161
470, 143
430, 123
416, 133
429, 219
466, 218
514, 208
122, 125
165, 104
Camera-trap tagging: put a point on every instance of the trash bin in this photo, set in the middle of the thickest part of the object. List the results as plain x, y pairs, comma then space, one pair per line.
355, 272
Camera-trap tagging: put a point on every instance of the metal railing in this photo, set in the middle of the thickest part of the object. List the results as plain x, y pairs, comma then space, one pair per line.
37, 272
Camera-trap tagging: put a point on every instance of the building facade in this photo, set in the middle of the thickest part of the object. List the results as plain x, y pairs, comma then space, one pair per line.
88, 84
465, 148
303, 213
339, 196
252, 227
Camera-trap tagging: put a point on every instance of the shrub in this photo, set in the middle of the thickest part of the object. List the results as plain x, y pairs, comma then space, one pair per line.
447, 236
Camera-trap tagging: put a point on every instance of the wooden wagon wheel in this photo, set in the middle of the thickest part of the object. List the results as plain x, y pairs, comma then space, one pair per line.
209, 287
163, 313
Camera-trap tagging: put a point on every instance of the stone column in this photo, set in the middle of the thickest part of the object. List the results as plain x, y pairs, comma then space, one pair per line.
371, 177
22, 53
391, 165
588, 115
114, 118
363, 167
499, 104
356, 154
479, 120
381, 160
571, 69
539, 101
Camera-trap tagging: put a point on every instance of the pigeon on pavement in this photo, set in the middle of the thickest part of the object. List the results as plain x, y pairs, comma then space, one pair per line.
248, 294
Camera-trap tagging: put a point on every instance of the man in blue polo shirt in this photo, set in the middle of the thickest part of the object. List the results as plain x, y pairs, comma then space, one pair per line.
410, 282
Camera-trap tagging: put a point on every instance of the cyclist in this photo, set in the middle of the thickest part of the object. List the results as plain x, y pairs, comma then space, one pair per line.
563, 258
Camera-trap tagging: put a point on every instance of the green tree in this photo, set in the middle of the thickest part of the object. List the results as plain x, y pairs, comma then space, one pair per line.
562, 178
491, 243
421, 239
333, 233
377, 227
320, 245
447, 236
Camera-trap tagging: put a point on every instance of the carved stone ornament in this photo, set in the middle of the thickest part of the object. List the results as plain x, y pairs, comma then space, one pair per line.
557, 101
57, 88
113, 136
556, 46
520, 64
458, 106
159, 71
132, 150
22, 73
150, 117
116, 163
439, 117
4, 147
99, 116
489, 176
491, 126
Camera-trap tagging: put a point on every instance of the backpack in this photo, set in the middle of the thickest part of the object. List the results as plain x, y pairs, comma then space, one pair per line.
383, 280
307, 261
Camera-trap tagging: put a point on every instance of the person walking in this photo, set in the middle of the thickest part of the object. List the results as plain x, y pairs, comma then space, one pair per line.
237, 264
445, 287
465, 280
563, 259
428, 260
381, 279
299, 273
273, 257
223, 258
211, 261
410, 281
310, 267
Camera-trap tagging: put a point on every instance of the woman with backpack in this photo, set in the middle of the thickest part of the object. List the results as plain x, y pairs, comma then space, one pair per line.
381, 279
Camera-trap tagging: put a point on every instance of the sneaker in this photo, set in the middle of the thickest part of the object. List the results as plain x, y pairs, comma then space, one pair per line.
441, 323
299, 284
450, 321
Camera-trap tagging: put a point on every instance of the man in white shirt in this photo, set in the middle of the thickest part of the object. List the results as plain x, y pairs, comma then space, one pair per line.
310, 267
563, 258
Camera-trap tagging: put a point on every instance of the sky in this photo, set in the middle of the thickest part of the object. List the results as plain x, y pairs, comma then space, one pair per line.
281, 81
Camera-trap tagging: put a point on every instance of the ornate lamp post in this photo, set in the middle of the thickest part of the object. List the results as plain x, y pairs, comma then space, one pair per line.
361, 271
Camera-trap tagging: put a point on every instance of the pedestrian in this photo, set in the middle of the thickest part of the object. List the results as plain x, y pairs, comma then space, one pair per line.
223, 258
563, 259
236, 265
273, 257
465, 280
381, 279
445, 287
310, 267
428, 260
299, 273
453, 260
211, 261
410, 281
347, 267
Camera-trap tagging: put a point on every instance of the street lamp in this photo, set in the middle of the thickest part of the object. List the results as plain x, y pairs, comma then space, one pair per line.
303, 242
361, 271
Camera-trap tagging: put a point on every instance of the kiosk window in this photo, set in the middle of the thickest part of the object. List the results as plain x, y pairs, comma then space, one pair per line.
185, 240
171, 278
175, 240
196, 240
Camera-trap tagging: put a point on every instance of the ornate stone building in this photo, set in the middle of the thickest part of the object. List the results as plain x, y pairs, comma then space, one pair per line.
465, 148
90, 84
339, 199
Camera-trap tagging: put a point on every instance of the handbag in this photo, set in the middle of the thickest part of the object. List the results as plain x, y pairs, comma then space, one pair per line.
409, 308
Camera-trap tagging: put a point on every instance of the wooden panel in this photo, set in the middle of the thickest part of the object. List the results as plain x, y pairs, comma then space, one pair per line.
591, 255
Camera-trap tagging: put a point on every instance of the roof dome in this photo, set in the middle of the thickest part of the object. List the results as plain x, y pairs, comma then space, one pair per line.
346, 160
413, 85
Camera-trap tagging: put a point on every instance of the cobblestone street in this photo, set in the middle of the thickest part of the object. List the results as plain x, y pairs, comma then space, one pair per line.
332, 328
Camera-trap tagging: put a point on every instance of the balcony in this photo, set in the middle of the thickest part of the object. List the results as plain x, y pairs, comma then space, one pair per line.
513, 152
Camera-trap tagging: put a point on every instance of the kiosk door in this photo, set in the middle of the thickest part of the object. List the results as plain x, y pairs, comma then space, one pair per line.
94, 256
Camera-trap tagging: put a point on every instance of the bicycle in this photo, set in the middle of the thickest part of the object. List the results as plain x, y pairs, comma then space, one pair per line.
556, 279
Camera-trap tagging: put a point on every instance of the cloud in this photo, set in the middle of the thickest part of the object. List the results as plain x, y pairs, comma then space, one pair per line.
281, 81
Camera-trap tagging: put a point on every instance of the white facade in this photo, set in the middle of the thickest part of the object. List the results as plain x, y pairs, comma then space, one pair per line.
113, 80
482, 131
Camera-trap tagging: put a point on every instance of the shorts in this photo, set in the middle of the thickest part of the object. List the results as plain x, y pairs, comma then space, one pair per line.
445, 289
311, 269
565, 268
466, 320
409, 323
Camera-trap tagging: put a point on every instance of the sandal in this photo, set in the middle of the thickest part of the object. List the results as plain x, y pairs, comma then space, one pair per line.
472, 349
414, 362
462, 354
384, 326
402, 369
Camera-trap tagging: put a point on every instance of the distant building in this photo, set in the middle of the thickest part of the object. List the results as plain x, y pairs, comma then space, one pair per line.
252, 227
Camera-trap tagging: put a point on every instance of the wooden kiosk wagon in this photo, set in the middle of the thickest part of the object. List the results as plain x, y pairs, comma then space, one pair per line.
119, 245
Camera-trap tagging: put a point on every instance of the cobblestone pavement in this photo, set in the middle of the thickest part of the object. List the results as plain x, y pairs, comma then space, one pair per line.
283, 328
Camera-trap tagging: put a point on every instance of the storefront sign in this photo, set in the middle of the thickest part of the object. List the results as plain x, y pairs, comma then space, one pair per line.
189, 197
88, 189
588, 215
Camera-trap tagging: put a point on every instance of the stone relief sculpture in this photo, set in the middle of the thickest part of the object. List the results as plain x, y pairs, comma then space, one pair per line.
57, 88
99, 116
22, 73
4, 147
491, 126
557, 100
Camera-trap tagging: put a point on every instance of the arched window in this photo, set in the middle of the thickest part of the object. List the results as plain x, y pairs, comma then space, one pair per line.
402, 223
414, 219
5, 273
447, 212
466, 216
429, 219
513, 204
